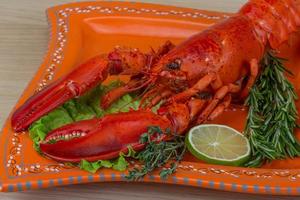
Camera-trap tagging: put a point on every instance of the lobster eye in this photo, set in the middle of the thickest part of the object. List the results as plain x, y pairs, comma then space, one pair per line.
174, 65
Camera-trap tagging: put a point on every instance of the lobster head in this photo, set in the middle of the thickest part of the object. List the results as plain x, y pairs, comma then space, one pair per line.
169, 71
183, 65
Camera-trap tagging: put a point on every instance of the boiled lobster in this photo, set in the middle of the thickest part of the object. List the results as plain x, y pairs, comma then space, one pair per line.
196, 80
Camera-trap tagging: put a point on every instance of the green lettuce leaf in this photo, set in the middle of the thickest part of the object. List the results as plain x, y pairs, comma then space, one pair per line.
124, 104
106, 163
119, 164
78, 110
39, 129
57, 118
131, 153
92, 167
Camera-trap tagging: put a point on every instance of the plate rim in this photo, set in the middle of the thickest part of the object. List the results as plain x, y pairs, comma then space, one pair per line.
45, 74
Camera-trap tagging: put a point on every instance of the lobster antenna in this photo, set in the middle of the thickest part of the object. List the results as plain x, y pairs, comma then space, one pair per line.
140, 95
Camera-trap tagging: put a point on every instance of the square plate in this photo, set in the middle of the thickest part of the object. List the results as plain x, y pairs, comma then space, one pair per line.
80, 31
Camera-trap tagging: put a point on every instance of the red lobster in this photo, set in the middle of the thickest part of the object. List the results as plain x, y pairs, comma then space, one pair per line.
197, 80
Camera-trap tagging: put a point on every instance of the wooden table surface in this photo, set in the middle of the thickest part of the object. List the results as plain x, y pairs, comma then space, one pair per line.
23, 42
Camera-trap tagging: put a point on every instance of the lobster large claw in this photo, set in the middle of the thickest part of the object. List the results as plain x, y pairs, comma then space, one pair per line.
84, 77
101, 139
77, 82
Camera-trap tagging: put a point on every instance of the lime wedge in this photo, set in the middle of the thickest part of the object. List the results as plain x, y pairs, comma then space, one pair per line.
218, 144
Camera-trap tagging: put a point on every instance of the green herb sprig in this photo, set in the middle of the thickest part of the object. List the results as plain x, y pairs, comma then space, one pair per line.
272, 114
158, 153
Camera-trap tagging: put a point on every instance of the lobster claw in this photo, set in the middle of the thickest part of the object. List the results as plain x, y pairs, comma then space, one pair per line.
78, 81
100, 139
82, 78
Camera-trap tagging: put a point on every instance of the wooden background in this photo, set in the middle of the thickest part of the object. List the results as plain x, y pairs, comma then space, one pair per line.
23, 42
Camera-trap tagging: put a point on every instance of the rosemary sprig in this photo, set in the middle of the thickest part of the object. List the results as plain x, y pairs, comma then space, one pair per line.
158, 153
272, 114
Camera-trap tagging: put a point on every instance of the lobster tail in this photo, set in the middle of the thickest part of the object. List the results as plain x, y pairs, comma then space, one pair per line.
273, 20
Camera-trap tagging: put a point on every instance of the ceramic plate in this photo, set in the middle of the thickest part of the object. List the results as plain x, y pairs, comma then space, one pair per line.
80, 31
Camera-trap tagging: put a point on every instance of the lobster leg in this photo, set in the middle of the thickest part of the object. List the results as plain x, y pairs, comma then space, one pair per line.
113, 95
219, 95
213, 103
253, 74
216, 84
151, 95
198, 87
220, 108
195, 106
156, 98
116, 93
163, 95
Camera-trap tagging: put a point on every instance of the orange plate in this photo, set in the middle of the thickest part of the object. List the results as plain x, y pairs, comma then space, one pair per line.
82, 30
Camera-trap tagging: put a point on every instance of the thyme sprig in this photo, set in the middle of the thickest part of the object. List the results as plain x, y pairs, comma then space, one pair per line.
272, 114
158, 153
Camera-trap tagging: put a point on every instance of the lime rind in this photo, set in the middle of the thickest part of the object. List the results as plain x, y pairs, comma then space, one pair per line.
209, 135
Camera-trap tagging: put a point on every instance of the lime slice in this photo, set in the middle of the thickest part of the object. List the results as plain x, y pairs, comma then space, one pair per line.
218, 144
